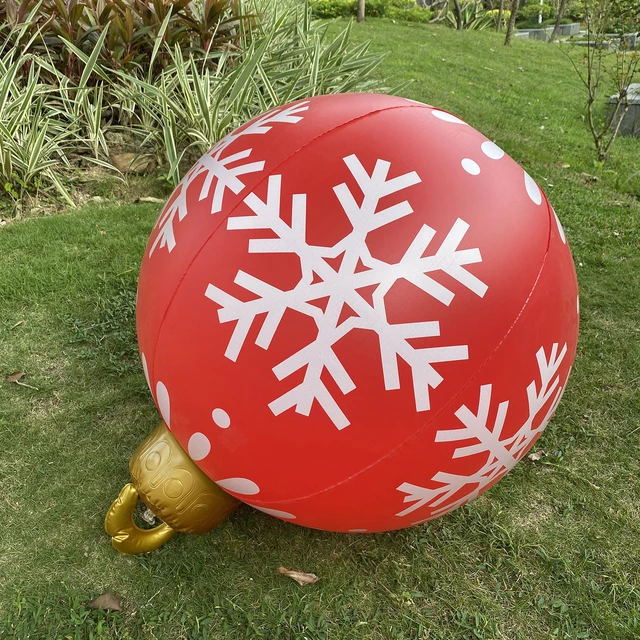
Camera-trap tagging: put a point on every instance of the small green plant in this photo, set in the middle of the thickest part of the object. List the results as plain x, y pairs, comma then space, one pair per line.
469, 15
607, 62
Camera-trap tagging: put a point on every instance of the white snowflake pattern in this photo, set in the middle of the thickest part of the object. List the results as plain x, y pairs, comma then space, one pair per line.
341, 286
502, 453
220, 174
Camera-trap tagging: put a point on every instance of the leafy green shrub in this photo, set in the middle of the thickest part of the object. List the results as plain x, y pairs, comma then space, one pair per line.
334, 8
132, 29
413, 13
530, 12
574, 11
405, 5
550, 22
493, 14
407, 10
377, 8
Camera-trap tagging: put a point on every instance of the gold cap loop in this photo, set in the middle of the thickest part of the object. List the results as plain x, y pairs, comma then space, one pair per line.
126, 536
167, 480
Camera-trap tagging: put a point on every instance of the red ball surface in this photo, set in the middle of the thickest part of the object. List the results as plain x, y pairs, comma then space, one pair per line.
356, 313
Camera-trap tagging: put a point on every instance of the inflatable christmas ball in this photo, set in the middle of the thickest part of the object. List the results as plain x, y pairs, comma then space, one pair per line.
355, 313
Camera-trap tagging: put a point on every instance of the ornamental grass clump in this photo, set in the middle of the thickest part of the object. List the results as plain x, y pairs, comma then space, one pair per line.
35, 135
189, 106
170, 88
47, 122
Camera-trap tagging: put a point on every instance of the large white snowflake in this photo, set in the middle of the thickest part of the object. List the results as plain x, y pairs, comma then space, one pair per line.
341, 286
477, 436
222, 173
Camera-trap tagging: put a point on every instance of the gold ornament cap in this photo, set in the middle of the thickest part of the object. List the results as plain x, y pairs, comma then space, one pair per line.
167, 480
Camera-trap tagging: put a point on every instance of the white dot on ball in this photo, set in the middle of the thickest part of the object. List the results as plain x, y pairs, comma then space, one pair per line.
447, 117
532, 189
560, 229
164, 404
492, 150
243, 486
357, 531
276, 513
221, 418
470, 166
145, 368
199, 446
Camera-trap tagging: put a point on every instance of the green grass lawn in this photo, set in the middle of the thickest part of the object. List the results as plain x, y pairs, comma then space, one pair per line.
552, 551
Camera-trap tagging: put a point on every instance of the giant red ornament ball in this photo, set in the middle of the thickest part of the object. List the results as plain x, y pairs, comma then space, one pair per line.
357, 313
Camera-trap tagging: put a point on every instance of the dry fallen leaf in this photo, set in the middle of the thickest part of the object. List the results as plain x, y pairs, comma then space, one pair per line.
616, 203
299, 576
16, 376
106, 602
133, 163
150, 199
537, 455
17, 324
588, 178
